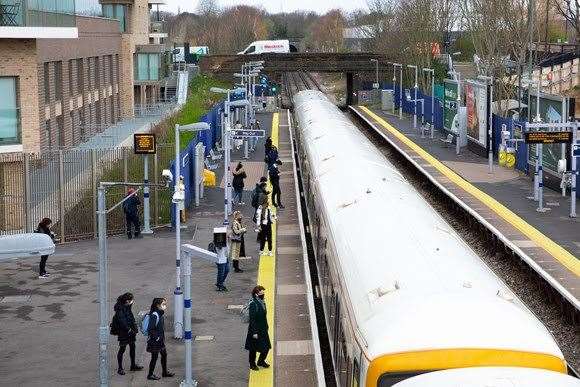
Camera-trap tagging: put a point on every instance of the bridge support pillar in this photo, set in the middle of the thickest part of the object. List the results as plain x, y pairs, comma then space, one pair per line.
349, 89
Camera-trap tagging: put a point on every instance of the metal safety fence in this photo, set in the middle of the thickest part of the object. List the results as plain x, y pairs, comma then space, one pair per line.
61, 185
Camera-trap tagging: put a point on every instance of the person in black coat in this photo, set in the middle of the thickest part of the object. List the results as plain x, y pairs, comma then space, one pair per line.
130, 208
274, 173
238, 183
44, 228
156, 338
127, 331
258, 339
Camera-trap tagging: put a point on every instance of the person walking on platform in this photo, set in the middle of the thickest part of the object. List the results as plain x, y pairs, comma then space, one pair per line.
126, 328
258, 339
44, 228
156, 338
130, 208
274, 173
264, 221
238, 231
258, 192
238, 183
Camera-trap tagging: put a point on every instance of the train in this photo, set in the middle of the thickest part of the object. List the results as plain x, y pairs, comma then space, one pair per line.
403, 294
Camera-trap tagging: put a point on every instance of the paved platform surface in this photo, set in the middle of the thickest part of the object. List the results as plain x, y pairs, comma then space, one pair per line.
549, 240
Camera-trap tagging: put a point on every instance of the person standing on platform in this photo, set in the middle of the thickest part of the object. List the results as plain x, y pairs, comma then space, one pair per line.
156, 338
258, 339
275, 181
44, 228
238, 183
127, 329
258, 192
238, 231
267, 148
222, 263
264, 221
130, 208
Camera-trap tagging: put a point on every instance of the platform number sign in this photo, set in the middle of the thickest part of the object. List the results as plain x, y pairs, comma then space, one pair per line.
144, 143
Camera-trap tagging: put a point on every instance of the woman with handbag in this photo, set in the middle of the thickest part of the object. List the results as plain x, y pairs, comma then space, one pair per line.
236, 236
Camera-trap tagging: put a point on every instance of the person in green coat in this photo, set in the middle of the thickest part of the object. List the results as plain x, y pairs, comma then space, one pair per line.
258, 339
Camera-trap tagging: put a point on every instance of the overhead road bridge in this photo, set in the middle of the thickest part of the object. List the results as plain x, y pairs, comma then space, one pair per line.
351, 64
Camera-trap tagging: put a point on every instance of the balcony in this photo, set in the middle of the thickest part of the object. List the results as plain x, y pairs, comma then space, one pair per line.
37, 19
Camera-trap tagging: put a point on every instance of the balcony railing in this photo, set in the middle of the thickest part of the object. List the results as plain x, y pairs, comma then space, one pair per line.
37, 13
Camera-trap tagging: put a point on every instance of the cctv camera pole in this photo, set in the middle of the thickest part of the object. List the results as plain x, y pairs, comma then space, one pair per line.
188, 381
103, 289
227, 184
177, 293
490, 126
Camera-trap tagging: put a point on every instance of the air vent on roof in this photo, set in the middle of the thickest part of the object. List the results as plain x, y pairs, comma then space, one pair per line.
327, 158
467, 285
504, 294
347, 204
382, 290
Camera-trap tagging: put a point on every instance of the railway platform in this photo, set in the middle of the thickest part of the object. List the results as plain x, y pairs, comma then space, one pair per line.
62, 312
548, 242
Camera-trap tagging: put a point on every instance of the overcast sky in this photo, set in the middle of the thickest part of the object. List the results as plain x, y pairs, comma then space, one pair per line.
320, 6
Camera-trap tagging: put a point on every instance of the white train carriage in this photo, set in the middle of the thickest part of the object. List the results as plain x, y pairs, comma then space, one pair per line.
403, 294
491, 377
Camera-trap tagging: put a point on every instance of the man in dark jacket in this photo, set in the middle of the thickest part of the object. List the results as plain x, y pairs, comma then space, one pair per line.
126, 331
275, 181
258, 339
130, 207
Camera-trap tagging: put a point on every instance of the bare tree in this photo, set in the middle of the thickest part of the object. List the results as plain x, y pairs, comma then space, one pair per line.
570, 10
326, 34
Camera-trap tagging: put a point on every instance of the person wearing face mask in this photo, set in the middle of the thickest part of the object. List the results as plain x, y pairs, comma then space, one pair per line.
126, 331
258, 339
156, 338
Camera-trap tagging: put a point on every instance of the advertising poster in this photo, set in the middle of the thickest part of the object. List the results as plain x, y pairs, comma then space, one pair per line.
477, 114
450, 94
552, 109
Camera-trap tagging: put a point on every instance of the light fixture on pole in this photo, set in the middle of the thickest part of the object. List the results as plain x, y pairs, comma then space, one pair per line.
178, 200
376, 84
415, 99
431, 72
400, 66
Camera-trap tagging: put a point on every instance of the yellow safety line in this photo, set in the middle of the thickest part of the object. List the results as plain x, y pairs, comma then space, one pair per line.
555, 250
267, 278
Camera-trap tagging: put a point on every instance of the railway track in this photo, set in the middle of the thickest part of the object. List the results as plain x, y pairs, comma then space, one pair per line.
538, 296
295, 82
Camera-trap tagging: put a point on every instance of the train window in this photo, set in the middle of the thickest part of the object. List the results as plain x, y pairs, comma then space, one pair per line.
390, 379
355, 374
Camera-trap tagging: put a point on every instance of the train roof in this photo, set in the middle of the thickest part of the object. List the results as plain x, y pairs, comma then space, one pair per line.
413, 283
491, 377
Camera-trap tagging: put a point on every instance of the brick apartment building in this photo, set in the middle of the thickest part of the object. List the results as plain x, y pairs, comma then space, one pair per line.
70, 69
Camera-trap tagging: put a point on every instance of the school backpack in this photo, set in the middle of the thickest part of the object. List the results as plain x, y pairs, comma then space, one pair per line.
255, 198
211, 247
114, 326
144, 324
245, 313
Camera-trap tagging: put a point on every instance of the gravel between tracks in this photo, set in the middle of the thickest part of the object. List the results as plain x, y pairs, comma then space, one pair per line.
514, 272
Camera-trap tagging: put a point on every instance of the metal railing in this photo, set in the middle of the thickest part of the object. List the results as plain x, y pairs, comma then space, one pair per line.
154, 109
61, 185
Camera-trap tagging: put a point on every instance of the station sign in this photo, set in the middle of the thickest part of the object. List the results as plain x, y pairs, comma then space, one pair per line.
245, 133
144, 144
548, 137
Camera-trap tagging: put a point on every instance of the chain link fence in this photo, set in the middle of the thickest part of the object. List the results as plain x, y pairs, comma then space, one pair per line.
61, 185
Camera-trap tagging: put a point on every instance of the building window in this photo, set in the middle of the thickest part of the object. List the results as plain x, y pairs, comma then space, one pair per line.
9, 111
147, 67
46, 83
98, 72
115, 11
80, 75
58, 80
111, 71
60, 131
71, 88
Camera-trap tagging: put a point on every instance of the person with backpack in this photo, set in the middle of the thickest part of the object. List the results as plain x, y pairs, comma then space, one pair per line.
238, 231
264, 221
156, 338
274, 173
238, 183
258, 192
130, 208
257, 338
125, 328
44, 228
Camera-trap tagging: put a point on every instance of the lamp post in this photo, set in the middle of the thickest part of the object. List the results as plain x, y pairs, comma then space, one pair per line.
431, 72
226, 141
400, 66
416, 87
178, 200
376, 85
